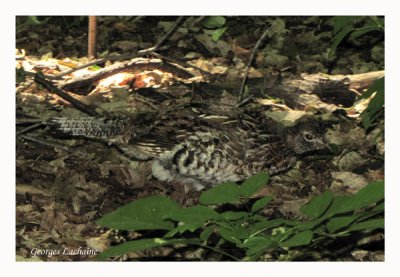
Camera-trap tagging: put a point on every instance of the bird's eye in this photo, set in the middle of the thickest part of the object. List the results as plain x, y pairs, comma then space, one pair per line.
308, 136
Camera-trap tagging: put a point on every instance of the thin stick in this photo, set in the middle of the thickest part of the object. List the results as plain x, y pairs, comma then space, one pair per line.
172, 30
53, 89
253, 54
29, 128
50, 144
184, 64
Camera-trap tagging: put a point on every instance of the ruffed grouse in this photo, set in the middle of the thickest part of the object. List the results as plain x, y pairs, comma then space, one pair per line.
202, 145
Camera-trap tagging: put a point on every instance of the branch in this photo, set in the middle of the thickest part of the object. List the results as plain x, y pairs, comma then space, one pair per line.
53, 89
175, 27
253, 54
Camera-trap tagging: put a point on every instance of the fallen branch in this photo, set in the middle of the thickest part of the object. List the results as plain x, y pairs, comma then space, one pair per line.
53, 89
82, 85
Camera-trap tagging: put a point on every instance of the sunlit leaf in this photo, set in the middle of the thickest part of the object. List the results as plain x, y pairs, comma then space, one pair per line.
212, 22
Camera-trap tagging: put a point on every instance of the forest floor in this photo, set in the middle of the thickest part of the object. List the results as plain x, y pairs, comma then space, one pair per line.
64, 185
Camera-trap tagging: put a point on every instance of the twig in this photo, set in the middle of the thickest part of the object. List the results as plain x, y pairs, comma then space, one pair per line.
244, 101
145, 101
50, 144
184, 64
29, 128
53, 89
172, 30
253, 54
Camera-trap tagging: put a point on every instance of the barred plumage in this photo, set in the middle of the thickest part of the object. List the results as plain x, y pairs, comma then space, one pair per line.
201, 145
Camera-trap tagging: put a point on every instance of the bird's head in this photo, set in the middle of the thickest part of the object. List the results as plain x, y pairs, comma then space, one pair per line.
306, 136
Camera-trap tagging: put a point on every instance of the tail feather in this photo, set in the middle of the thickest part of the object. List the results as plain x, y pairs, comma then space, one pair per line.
88, 127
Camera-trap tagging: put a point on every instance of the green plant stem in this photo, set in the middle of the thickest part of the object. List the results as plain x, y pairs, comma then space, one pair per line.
218, 251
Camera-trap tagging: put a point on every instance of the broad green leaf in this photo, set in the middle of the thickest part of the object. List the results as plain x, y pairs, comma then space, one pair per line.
183, 228
372, 224
253, 184
231, 215
318, 205
139, 245
338, 223
370, 194
216, 35
213, 22
194, 215
256, 246
261, 203
234, 235
143, 214
266, 225
207, 232
310, 225
228, 235
225, 193
299, 239
337, 202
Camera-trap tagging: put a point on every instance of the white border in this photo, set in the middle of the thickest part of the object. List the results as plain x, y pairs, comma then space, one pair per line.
203, 7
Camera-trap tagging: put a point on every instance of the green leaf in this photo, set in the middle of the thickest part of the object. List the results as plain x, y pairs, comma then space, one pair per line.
378, 85
338, 223
225, 193
363, 30
234, 234
257, 245
213, 22
194, 215
379, 208
370, 194
310, 225
369, 225
266, 225
183, 228
139, 245
229, 235
340, 22
375, 106
318, 205
338, 38
95, 67
299, 239
261, 203
254, 184
207, 232
143, 214
231, 215
216, 35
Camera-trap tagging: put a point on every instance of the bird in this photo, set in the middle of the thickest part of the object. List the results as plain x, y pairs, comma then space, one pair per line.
202, 145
